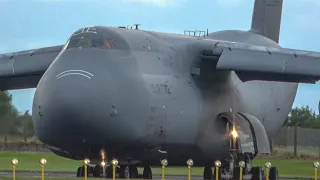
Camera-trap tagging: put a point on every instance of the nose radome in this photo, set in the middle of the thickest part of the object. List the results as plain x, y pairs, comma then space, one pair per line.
73, 106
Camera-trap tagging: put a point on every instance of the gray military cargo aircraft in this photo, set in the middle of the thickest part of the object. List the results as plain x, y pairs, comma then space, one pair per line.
141, 96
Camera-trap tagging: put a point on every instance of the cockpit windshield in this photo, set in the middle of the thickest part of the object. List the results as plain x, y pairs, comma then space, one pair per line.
86, 38
86, 42
96, 38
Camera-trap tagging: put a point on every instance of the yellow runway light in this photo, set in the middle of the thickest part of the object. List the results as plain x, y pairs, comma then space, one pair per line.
316, 165
86, 162
14, 163
242, 164
43, 162
114, 163
217, 165
189, 163
164, 163
268, 166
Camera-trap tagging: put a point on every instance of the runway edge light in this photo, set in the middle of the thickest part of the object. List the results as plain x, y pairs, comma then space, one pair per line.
14, 163
268, 166
242, 164
43, 162
86, 162
164, 163
316, 166
217, 165
189, 163
114, 164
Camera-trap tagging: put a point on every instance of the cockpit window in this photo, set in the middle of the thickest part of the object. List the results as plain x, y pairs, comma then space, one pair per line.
97, 43
86, 40
94, 38
85, 43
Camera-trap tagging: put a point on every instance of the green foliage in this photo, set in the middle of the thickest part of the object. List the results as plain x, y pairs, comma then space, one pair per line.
303, 117
11, 121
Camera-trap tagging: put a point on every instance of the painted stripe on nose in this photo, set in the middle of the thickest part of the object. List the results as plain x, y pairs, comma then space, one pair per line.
74, 72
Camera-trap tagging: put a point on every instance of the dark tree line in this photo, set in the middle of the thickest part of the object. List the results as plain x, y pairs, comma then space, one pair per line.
11, 121
303, 117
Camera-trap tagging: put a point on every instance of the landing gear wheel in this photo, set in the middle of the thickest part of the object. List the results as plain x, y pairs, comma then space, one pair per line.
97, 171
134, 172
273, 173
121, 172
147, 173
126, 172
257, 173
108, 172
79, 172
207, 173
236, 173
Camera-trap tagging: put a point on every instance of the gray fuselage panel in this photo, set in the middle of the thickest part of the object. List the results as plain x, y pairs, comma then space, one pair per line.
134, 89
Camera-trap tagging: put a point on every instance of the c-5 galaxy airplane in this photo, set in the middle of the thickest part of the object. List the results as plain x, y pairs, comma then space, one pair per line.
141, 96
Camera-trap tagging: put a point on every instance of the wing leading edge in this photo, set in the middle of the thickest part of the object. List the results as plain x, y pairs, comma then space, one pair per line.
252, 62
23, 69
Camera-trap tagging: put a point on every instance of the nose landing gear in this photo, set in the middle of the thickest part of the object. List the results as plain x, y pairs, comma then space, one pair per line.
230, 168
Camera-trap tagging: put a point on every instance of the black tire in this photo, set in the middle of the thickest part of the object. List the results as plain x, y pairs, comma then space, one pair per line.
109, 172
121, 171
82, 171
97, 171
236, 173
147, 172
79, 172
90, 169
207, 173
126, 172
257, 173
134, 172
273, 174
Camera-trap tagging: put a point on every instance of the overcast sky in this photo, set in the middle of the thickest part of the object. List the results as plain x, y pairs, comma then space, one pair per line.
29, 24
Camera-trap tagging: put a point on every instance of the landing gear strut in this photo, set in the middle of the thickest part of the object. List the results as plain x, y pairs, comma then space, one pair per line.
147, 173
230, 169
207, 173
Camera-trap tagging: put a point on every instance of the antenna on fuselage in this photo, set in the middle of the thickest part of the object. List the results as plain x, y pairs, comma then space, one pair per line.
137, 26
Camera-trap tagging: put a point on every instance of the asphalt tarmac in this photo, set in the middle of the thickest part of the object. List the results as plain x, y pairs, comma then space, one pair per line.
73, 175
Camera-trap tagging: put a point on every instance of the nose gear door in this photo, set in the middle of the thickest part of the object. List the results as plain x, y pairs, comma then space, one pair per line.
251, 134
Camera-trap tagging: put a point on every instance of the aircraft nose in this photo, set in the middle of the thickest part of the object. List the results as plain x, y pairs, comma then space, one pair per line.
73, 107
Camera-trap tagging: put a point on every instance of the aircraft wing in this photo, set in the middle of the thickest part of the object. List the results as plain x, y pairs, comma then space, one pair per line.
267, 64
23, 69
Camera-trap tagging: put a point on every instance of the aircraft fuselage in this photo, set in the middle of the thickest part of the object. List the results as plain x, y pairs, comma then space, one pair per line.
132, 94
